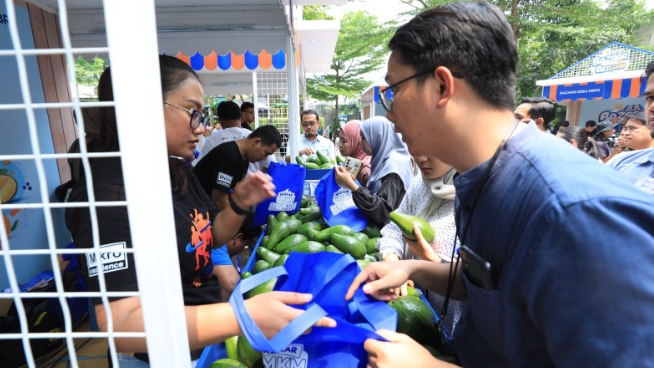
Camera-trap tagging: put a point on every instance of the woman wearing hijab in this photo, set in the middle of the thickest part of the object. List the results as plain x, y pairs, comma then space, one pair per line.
430, 197
349, 144
390, 171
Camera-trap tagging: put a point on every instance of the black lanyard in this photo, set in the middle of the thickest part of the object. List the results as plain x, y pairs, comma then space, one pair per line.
482, 183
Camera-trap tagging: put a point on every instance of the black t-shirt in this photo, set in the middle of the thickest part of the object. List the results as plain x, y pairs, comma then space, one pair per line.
221, 168
194, 214
245, 125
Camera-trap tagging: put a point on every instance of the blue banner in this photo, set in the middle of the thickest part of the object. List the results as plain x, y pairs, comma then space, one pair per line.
576, 91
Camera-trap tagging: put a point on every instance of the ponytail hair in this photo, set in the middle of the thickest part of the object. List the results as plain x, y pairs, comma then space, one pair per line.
578, 134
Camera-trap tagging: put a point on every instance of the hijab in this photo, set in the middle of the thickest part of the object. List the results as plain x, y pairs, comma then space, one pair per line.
389, 153
352, 133
442, 189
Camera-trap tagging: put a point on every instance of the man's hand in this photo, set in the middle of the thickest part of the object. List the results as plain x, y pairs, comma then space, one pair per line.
306, 151
254, 189
344, 179
420, 247
401, 351
271, 311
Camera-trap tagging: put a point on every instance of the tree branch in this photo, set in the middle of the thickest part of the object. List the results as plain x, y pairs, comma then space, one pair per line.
411, 3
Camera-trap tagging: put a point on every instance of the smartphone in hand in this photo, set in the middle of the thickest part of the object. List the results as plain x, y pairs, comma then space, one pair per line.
353, 166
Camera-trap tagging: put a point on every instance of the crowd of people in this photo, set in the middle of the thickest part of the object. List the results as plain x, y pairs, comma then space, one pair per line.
567, 234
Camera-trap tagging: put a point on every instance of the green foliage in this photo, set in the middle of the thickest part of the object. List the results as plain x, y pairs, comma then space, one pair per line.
554, 34
315, 12
360, 49
88, 72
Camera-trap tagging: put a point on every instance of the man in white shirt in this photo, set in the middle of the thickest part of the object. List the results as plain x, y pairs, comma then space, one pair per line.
229, 117
311, 142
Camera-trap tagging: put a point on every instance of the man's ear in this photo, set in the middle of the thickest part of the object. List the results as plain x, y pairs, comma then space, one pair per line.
539, 121
445, 84
238, 237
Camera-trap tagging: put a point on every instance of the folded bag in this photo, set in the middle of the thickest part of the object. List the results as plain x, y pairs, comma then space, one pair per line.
326, 276
289, 188
337, 205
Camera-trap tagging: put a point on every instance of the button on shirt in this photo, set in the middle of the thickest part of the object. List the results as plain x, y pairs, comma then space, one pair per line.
637, 167
321, 144
572, 256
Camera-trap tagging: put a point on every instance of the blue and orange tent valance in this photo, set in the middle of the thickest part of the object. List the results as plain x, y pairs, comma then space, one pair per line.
598, 90
232, 61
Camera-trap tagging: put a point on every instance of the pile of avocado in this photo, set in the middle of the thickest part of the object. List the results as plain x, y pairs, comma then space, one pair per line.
318, 161
306, 232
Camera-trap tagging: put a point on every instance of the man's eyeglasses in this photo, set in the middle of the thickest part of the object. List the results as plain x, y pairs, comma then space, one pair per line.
307, 124
196, 116
388, 102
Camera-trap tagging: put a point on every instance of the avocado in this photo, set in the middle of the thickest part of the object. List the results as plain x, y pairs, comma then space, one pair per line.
328, 165
375, 256
363, 263
306, 247
245, 275
414, 318
227, 363
304, 202
406, 223
333, 249
281, 260
300, 161
339, 160
314, 159
230, 346
260, 266
279, 232
323, 159
315, 215
371, 246
246, 354
289, 241
267, 255
264, 241
338, 229
313, 225
282, 216
272, 221
348, 244
363, 237
312, 166
372, 230
266, 287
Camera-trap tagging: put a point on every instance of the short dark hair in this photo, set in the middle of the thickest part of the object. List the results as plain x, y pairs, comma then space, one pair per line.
649, 70
590, 123
541, 107
583, 142
472, 38
249, 232
229, 110
246, 105
310, 112
268, 134
639, 115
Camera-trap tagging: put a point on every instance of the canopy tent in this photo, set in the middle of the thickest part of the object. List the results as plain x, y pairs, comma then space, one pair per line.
611, 73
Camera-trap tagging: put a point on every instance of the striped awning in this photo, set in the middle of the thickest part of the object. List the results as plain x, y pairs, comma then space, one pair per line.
233, 61
598, 90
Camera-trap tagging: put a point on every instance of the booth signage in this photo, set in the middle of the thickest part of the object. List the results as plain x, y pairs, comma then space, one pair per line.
576, 91
610, 60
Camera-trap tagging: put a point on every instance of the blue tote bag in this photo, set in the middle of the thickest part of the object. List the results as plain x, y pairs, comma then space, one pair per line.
337, 205
326, 276
289, 187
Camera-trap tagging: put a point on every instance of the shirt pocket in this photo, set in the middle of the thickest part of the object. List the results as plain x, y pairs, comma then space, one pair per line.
485, 307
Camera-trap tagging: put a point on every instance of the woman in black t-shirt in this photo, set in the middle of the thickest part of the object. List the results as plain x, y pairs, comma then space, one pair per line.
199, 227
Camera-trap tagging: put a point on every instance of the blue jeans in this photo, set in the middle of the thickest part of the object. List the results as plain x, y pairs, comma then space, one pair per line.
128, 361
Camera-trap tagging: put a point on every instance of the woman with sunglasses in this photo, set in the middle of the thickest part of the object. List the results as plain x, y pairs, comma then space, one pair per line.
199, 227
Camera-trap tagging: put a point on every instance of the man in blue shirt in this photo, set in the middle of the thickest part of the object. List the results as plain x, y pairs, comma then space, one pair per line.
569, 243
311, 142
636, 166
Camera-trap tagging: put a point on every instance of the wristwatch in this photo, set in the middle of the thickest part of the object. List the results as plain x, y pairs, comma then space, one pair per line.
238, 210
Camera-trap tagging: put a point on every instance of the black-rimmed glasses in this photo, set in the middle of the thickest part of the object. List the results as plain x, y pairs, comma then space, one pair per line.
388, 102
196, 116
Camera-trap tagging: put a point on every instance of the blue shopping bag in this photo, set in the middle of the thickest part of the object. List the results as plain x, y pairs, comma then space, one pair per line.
289, 188
326, 276
337, 205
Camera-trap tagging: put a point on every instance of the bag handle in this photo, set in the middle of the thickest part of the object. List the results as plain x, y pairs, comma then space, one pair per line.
373, 311
253, 333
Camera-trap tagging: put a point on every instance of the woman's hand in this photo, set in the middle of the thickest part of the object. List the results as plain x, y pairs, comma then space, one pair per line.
344, 179
382, 278
401, 351
271, 311
254, 189
420, 247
